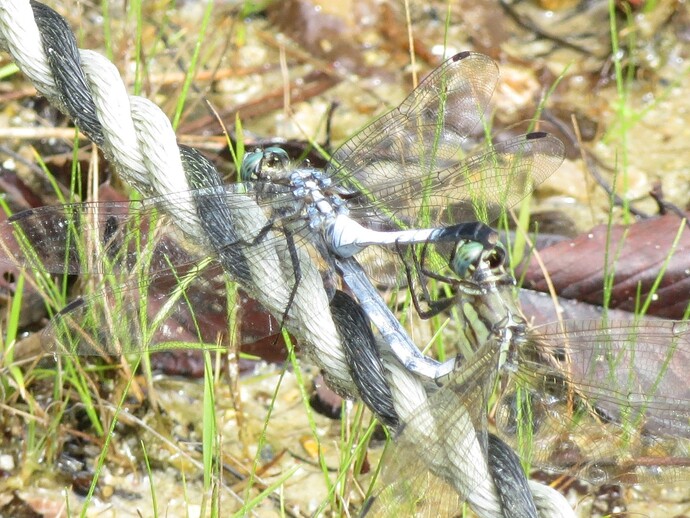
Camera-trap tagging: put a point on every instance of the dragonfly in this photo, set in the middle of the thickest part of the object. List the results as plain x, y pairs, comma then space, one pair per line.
599, 400
403, 179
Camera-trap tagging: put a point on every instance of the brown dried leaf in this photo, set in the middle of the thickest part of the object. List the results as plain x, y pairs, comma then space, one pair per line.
636, 254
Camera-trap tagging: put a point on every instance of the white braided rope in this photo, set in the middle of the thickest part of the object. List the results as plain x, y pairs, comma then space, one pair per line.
141, 144
465, 464
550, 503
19, 35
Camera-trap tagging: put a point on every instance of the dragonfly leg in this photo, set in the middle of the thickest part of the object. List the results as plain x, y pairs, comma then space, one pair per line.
435, 306
297, 273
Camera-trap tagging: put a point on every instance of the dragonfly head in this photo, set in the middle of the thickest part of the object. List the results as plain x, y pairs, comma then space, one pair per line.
470, 256
267, 165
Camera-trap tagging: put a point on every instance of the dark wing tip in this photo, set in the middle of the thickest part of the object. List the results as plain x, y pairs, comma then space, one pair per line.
72, 306
20, 215
461, 55
535, 135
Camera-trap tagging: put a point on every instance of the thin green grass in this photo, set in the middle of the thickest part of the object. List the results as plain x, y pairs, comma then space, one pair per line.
212, 457
356, 429
193, 63
136, 11
149, 473
8, 70
70, 376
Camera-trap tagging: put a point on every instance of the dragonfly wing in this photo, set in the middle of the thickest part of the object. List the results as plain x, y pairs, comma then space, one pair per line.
154, 235
623, 366
609, 395
429, 126
72, 238
497, 178
477, 187
439, 455
161, 310
407, 167
143, 310
435, 497
109, 237
146, 314
136, 243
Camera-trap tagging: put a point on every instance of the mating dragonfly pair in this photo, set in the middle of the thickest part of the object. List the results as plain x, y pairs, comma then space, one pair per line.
403, 173
283, 232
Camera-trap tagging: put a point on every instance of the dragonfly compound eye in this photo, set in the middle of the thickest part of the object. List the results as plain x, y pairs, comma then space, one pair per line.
251, 165
264, 164
496, 256
465, 256
470, 255
274, 159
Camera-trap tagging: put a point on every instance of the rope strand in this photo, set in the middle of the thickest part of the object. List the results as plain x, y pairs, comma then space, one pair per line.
137, 137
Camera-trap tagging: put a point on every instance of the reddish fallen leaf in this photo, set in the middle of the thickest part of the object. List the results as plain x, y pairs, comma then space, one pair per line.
636, 254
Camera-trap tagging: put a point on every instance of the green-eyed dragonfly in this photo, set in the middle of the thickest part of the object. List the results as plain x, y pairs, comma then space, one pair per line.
403, 179
602, 401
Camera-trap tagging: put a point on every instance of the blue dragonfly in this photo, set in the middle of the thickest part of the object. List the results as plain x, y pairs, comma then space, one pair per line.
284, 229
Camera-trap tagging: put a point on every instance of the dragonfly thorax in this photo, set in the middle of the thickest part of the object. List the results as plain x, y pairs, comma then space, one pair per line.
513, 334
310, 186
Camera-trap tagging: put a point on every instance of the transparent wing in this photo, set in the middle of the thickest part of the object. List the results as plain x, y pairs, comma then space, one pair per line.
162, 312
478, 187
412, 493
603, 401
625, 367
135, 248
118, 238
194, 306
103, 236
408, 167
427, 128
92, 238
627, 422
438, 459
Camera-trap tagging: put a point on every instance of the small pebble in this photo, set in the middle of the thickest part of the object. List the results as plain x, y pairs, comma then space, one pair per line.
107, 491
6, 462
310, 446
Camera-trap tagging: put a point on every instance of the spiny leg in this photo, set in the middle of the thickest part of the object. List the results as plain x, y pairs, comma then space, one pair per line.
435, 306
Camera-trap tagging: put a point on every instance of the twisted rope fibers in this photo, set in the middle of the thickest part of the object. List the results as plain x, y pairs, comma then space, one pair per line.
138, 139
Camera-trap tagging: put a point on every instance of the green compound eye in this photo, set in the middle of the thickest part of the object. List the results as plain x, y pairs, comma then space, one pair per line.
261, 162
469, 253
275, 157
251, 165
